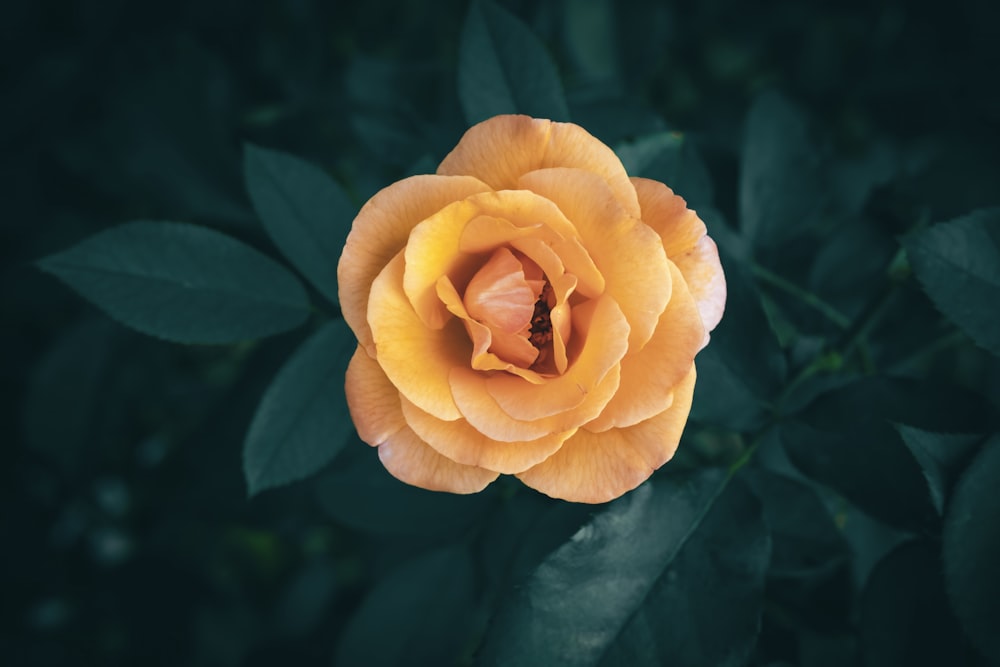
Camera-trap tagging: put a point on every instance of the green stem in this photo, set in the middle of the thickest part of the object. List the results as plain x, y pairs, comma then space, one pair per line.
806, 297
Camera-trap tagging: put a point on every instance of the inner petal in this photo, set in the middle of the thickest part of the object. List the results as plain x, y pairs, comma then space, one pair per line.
500, 296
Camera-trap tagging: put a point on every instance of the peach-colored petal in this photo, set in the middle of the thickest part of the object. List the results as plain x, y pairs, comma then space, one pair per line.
598, 467
628, 253
685, 241
499, 150
483, 413
668, 214
499, 295
372, 400
518, 356
440, 244
415, 358
603, 341
650, 375
458, 441
411, 460
380, 231
703, 274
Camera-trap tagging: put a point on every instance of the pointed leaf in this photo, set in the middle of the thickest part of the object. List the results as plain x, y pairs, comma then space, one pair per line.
638, 582
305, 212
504, 68
958, 264
302, 420
182, 282
942, 457
972, 550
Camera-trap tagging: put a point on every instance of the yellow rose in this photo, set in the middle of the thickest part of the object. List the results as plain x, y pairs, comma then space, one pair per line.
528, 310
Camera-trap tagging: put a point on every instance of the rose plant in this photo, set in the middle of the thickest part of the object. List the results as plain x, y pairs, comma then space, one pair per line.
529, 309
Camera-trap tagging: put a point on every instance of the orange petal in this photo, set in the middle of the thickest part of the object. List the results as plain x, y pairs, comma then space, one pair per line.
628, 253
703, 274
601, 327
372, 400
484, 415
441, 244
411, 460
380, 231
416, 359
650, 375
668, 214
598, 467
500, 150
458, 441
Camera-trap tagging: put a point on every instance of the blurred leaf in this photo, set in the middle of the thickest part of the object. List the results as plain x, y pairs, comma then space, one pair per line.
300, 608
669, 157
419, 614
905, 619
783, 187
304, 211
503, 68
642, 580
302, 420
360, 493
66, 389
942, 457
972, 550
181, 282
743, 367
845, 439
958, 264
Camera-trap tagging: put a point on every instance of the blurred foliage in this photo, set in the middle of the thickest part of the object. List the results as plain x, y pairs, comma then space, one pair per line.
833, 501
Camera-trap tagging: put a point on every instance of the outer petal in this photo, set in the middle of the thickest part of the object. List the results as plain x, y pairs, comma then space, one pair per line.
483, 413
458, 441
627, 252
415, 358
372, 400
411, 460
598, 467
686, 243
703, 274
380, 231
499, 150
650, 376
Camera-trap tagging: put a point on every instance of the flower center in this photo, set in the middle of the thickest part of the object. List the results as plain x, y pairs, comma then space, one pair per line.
541, 321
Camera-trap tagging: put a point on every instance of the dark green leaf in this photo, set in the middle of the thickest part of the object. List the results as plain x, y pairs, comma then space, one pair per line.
845, 439
360, 493
181, 282
302, 420
419, 614
669, 157
942, 457
304, 211
642, 580
958, 264
783, 187
905, 619
972, 550
503, 68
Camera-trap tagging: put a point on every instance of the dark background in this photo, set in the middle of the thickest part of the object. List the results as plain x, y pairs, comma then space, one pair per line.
127, 534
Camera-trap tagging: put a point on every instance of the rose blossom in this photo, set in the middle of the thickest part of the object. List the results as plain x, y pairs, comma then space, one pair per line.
528, 310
